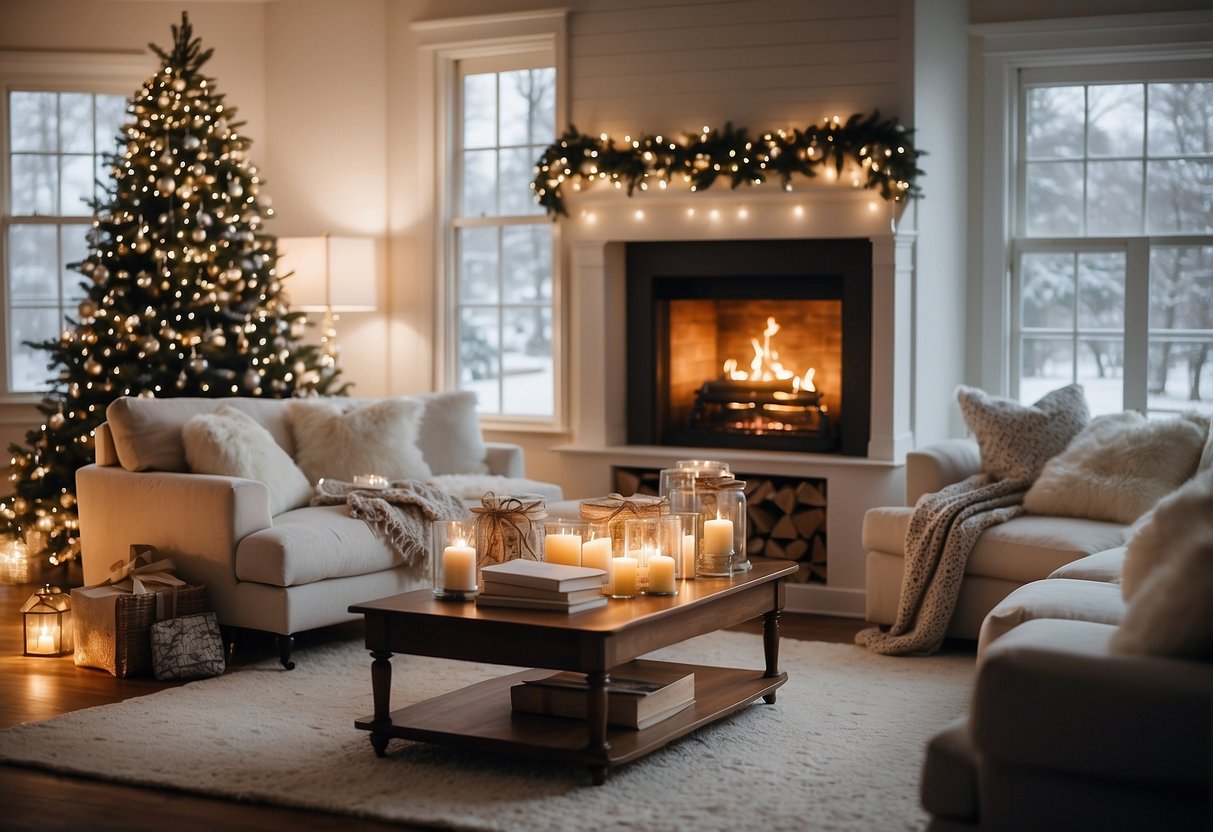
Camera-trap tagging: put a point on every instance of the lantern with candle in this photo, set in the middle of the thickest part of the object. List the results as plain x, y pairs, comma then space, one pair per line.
453, 559
47, 618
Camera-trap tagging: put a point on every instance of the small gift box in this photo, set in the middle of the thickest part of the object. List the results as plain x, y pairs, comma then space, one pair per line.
113, 620
614, 510
508, 528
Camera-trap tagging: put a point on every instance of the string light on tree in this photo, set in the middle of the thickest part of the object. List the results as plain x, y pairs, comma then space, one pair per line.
181, 291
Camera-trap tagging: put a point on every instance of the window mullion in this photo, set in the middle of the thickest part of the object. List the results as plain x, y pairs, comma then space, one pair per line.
1137, 324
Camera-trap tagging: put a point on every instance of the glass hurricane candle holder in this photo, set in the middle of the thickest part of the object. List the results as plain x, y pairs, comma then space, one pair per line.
562, 541
722, 512
653, 542
597, 551
453, 559
688, 543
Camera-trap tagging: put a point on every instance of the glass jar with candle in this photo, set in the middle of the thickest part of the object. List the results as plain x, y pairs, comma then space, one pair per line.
688, 543
653, 543
597, 551
722, 512
562, 541
453, 559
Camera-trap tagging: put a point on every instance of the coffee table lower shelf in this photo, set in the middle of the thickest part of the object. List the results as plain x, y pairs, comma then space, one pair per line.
480, 717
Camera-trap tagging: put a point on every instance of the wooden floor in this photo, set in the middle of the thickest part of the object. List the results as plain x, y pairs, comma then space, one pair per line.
38, 688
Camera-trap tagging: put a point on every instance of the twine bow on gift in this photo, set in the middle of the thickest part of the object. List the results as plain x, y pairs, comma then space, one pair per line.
497, 516
140, 575
637, 505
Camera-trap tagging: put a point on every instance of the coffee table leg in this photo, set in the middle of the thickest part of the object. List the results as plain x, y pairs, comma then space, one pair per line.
596, 717
381, 689
770, 646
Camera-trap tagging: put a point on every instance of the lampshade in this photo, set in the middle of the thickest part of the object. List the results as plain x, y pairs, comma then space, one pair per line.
330, 273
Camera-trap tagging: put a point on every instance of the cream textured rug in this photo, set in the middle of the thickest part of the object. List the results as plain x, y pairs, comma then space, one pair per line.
841, 749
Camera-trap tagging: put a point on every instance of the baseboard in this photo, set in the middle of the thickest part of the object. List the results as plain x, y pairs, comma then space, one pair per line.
822, 600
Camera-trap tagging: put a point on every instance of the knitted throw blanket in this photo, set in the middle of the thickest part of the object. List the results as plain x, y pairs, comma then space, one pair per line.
942, 532
399, 514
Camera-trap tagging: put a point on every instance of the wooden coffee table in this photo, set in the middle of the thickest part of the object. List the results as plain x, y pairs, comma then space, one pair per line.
596, 642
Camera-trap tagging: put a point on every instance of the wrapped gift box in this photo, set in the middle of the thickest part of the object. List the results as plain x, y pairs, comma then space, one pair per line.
113, 621
614, 509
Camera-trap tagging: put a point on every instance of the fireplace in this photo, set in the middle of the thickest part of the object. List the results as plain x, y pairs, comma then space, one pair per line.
759, 344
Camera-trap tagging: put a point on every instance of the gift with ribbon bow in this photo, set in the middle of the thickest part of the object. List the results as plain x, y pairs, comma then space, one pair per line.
113, 620
508, 527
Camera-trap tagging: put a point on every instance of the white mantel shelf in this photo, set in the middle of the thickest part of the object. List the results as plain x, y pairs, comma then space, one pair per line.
765, 462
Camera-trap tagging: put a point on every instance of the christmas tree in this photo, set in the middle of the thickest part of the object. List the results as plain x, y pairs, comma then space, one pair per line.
183, 298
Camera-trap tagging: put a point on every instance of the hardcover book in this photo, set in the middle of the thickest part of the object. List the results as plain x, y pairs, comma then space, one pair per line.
486, 600
573, 596
544, 575
637, 698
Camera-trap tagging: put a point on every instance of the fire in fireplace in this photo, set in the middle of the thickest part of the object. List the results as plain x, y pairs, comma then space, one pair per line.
768, 397
750, 344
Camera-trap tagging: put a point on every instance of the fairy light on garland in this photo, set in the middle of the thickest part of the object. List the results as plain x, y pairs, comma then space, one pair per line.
881, 153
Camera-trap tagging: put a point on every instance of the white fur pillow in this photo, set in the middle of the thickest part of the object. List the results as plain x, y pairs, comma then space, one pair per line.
377, 438
450, 436
1168, 577
1016, 440
234, 444
1117, 468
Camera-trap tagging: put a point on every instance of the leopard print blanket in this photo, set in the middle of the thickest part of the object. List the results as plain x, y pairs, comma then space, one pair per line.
942, 532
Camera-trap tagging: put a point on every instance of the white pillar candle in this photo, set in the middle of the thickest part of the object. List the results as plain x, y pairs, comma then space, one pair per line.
661, 573
459, 568
562, 548
688, 556
623, 574
596, 554
46, 641
718, 537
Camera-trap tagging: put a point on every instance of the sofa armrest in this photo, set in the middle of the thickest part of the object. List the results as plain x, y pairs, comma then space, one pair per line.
1052, 696
195, 519
942, 463
505, 459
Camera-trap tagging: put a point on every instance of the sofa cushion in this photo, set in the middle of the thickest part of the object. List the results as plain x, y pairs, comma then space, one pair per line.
1118, 467
232, 444
1170, 597
949, 774
1026, 548
340, 443
449, 436
312, 544
1103, 566
147, 431
1094, 601
1017, 440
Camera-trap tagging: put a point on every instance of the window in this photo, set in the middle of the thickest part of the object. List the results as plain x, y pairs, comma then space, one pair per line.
56, 143
501, 241
1112, 250
60, 116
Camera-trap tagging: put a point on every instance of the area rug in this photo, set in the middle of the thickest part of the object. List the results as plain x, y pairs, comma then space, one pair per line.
841, 749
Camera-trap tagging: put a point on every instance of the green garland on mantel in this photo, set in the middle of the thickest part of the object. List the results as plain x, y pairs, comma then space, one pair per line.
882, 152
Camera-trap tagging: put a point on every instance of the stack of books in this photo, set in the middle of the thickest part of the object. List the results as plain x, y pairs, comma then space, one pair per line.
637, 696
538, 585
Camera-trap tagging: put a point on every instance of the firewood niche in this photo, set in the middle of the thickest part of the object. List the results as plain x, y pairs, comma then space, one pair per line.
785, 517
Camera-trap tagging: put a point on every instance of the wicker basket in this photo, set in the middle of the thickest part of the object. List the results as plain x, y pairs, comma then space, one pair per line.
127, 649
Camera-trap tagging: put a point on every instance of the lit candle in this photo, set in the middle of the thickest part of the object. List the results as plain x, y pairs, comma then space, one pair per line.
623, 572
459, 567
596, 553
688, 556
46, 642
718, 537
563, 548
661, 573
374, 481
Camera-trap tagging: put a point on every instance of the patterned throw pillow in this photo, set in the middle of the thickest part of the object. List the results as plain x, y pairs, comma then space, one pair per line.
1017, 440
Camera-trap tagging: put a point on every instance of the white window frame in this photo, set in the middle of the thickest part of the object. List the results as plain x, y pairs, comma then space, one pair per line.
107, 73
445, 43
1072, 44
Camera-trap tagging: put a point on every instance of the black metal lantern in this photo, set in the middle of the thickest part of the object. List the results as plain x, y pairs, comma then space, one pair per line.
47, 618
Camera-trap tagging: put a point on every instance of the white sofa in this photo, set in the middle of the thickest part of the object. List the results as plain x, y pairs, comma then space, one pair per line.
1007, 556
297, 571
1067, 732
